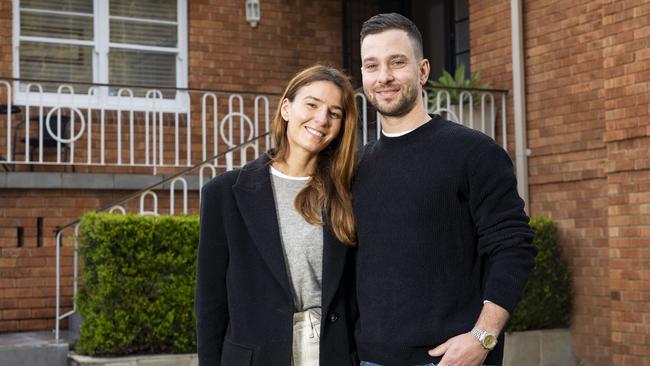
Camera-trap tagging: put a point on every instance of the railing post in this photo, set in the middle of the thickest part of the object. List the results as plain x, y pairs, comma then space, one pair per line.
58, 285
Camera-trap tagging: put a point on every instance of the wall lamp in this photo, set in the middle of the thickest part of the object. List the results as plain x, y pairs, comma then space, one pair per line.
253, 12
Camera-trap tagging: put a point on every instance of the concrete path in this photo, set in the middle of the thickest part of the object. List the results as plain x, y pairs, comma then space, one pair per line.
33, 349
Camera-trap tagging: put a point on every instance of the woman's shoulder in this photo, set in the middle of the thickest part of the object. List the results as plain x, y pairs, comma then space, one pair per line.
250, 171
221, 182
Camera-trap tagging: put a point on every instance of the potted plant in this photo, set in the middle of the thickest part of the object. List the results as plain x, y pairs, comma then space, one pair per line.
538, 328
454, 91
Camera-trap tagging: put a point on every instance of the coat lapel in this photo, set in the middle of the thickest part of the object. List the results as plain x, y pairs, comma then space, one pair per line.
254, 195
334, 258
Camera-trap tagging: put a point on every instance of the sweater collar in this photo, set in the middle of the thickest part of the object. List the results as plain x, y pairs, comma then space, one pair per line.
414, 134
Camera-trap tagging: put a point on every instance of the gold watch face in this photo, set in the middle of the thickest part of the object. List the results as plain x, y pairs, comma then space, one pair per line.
489, 341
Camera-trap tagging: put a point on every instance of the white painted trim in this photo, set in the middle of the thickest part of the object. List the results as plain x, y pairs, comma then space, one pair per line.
143, 20
182, 68
74, 42
101, 48
16, 38
138, 47
104, 101
56, 12
519, 98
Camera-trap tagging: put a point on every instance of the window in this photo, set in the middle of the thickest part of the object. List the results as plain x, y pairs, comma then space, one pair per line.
461, 35
126, 42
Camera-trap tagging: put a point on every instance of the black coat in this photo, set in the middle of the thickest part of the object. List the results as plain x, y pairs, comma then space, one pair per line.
244, 304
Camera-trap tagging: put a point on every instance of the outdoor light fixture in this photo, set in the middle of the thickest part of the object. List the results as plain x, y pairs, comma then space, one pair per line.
253, 12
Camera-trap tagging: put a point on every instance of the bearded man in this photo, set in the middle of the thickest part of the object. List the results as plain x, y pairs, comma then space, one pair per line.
444, 243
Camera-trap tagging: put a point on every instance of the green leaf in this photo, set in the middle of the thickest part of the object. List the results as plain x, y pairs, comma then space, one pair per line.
448, 82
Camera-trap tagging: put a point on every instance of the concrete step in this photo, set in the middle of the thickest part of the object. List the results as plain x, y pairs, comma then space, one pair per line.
33, 349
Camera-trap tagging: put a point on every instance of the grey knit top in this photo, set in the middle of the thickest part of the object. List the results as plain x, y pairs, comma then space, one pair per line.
302, 242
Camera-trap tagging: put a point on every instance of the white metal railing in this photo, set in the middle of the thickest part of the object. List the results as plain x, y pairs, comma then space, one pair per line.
124, 134
80, 130
481, 109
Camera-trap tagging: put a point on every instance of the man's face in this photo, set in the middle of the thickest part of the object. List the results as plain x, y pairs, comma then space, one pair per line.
392, 74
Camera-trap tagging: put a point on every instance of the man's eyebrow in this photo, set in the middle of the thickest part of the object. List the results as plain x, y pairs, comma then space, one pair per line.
390, 57
320, 100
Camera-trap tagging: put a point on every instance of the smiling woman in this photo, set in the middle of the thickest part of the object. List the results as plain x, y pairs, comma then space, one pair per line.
314, 119
274, 253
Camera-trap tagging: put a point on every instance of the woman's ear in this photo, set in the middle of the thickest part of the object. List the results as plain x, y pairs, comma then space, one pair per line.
284, 109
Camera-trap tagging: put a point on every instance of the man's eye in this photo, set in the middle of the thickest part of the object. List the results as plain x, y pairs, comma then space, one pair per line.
398, 62
311, 105
370, 67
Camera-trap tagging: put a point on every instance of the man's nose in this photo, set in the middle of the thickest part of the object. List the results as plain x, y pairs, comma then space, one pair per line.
385, 75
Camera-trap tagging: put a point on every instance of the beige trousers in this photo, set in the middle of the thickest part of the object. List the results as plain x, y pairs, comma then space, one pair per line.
306, 338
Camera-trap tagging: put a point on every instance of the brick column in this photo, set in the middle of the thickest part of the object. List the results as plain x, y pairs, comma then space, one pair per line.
626, 69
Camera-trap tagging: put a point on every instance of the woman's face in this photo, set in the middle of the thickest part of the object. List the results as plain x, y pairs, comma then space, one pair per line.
314, 117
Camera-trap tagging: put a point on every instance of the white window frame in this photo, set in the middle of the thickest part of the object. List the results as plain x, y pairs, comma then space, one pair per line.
102, 45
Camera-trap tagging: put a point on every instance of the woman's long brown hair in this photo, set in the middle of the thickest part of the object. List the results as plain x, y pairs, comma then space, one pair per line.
328, 190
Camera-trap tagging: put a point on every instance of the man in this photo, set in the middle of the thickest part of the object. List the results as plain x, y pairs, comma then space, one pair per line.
444, 243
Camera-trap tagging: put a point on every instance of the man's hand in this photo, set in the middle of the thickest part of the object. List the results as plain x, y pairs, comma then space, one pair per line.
461, 350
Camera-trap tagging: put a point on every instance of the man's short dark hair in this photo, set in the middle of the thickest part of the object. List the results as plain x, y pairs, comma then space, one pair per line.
389, 21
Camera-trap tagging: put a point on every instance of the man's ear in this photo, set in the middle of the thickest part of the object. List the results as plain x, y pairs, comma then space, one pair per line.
424, 71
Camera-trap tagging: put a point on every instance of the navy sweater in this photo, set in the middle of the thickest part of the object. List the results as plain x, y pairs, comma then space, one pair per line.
441, 228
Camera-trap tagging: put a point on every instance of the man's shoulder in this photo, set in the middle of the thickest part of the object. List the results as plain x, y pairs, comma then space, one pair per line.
365, 150
460, 133
466, 142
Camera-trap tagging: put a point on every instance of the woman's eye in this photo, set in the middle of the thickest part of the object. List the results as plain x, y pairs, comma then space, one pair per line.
335, 115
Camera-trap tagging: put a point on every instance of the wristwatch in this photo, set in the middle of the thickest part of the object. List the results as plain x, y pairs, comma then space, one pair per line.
487, 340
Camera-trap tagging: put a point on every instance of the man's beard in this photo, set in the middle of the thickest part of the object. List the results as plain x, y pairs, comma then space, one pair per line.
405, 103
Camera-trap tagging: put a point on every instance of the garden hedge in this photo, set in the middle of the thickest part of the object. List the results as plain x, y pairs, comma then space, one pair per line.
137, 290
547, 297
137, 287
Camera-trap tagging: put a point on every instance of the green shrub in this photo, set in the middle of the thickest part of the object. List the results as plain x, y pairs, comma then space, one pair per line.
137, 284
547, 297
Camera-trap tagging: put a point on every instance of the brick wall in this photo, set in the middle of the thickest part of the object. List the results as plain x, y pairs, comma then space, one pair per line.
6, 59
227, 54
587, 84
563, 43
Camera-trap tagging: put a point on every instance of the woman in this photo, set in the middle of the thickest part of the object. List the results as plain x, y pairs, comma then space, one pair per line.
276, 236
